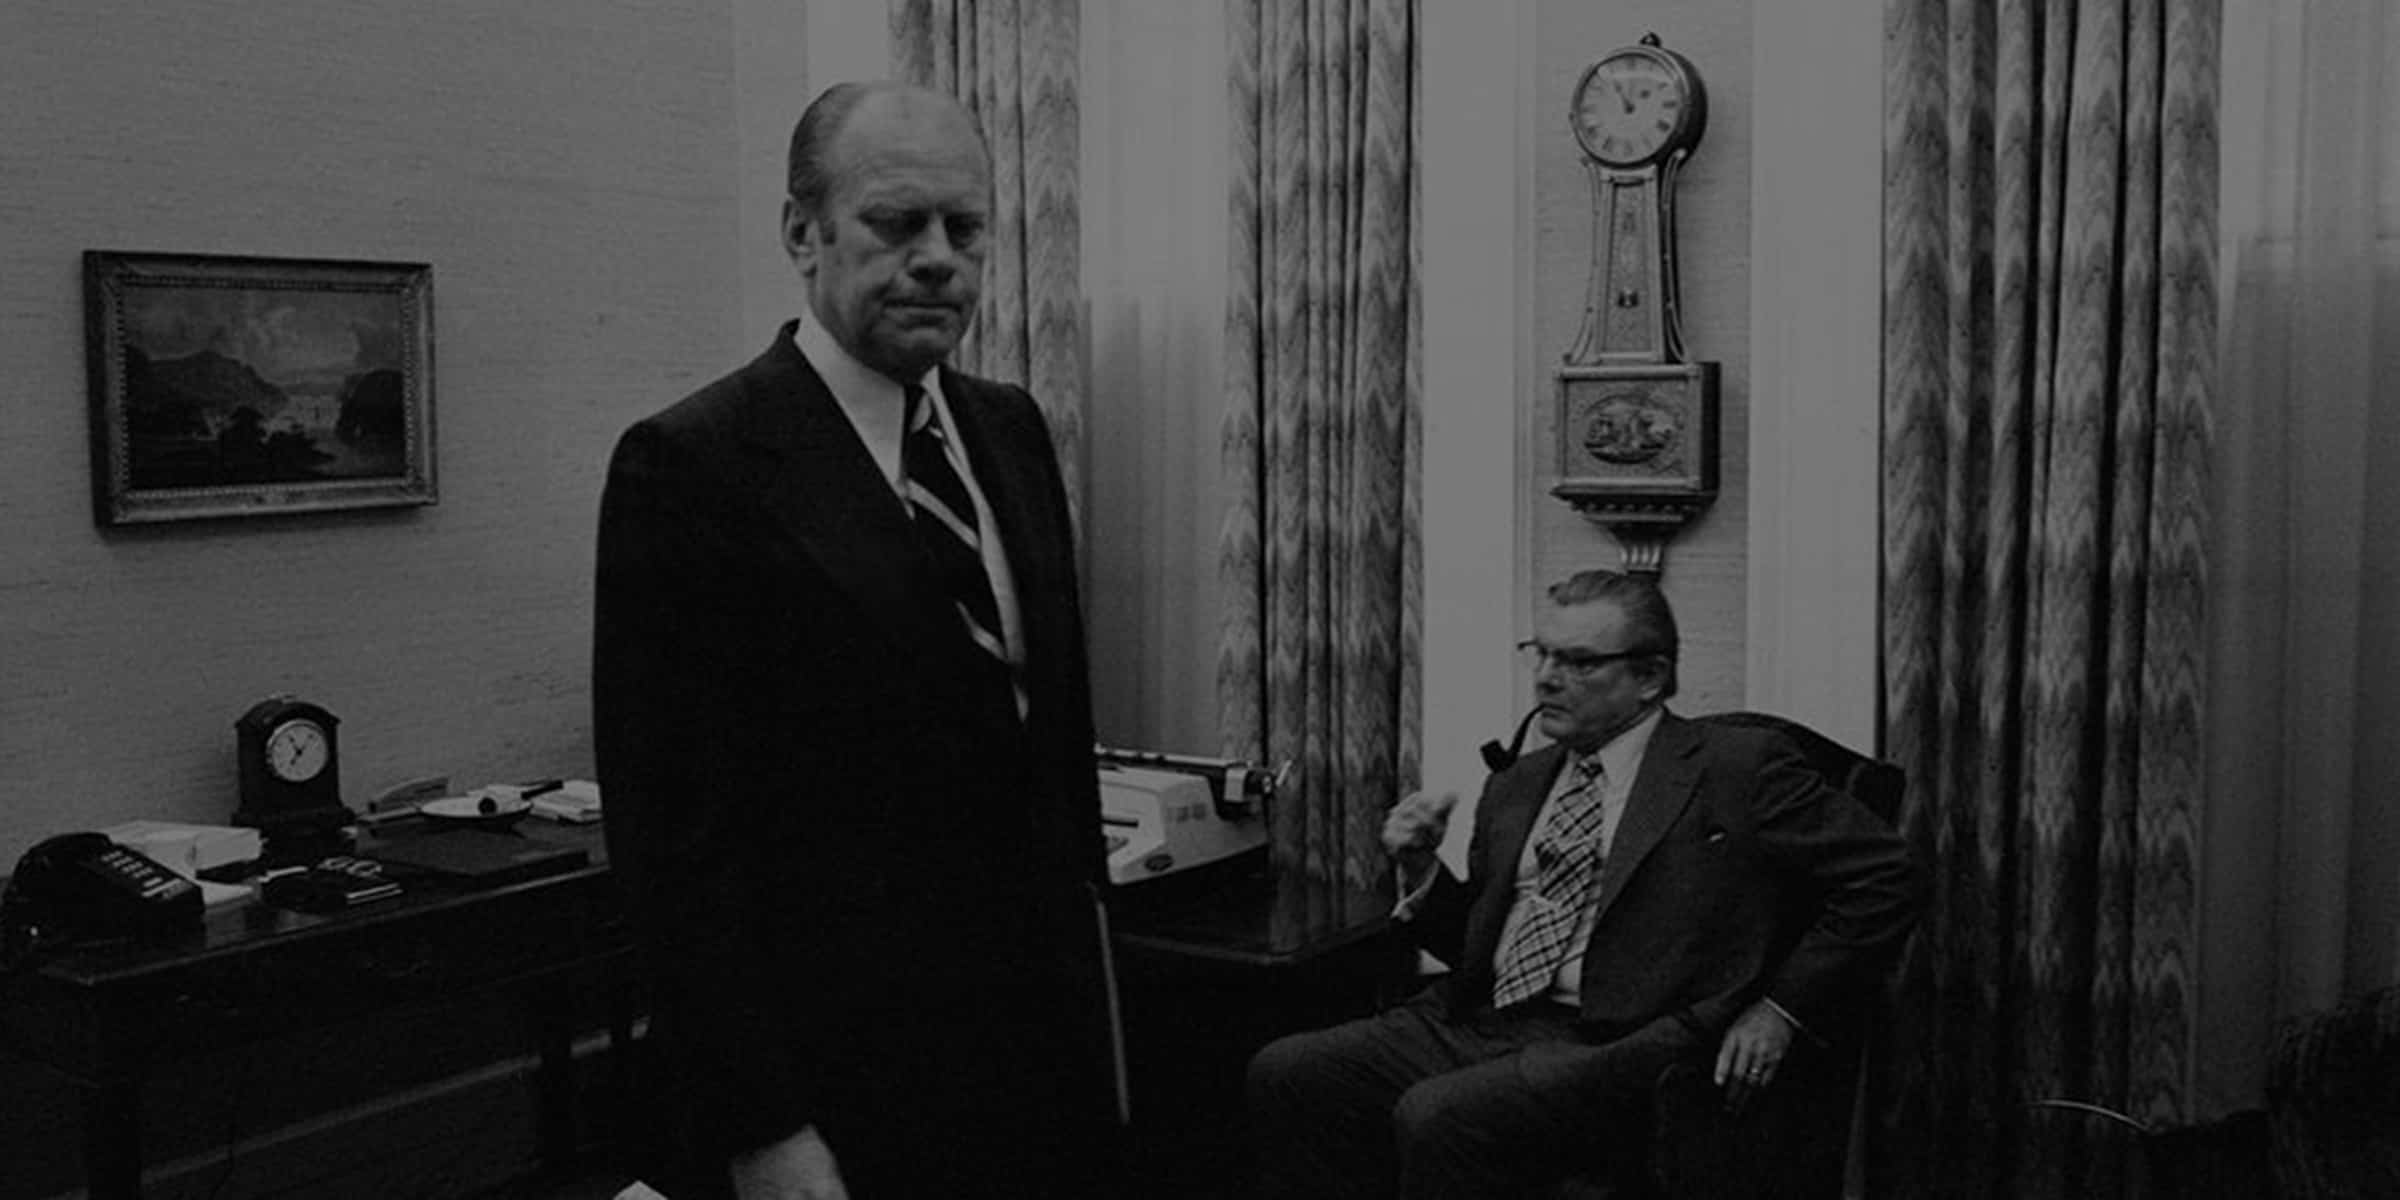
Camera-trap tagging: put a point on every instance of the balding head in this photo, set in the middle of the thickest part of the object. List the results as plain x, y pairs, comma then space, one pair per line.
812, 164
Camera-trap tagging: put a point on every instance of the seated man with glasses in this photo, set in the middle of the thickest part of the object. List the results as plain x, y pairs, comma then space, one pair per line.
1644, 889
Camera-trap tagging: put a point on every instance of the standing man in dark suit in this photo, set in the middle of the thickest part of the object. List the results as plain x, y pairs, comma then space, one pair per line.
1644, 889
843, 721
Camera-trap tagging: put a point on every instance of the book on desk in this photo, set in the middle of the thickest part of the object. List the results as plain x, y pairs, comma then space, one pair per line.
480, 856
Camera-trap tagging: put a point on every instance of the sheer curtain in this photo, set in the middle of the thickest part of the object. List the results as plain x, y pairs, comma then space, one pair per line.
1155, 132
2301, 881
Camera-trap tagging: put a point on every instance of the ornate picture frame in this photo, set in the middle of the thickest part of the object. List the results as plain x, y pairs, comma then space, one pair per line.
227, 386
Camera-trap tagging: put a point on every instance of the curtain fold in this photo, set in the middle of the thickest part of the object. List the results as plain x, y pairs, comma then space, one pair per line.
2050, 202
1015, 65
1319, 560
1155, 134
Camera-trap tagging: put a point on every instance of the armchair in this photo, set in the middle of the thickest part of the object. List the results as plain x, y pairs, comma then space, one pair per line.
1792, 1141
2333, 1101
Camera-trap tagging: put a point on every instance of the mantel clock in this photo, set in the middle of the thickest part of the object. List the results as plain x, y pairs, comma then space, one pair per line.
289, 765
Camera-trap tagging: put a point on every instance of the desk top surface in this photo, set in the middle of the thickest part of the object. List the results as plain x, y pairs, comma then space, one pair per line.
1255, 917
1260, 917
249, 925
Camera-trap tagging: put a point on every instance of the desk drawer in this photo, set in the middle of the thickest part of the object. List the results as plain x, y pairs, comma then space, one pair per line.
346, 967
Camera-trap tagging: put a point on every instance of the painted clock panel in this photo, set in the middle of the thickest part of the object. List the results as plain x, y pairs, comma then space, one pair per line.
1645, 432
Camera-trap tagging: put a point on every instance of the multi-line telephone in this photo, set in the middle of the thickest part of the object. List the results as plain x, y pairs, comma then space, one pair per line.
82, 886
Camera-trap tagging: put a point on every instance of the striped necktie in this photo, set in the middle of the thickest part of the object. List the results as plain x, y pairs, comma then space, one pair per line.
1566, 855
945, 519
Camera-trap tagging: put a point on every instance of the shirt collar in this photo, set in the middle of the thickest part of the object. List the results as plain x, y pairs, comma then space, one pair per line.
1621, 756
853, 383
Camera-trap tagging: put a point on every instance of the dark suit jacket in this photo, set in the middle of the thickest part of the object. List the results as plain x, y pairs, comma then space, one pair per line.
822, 829
1727, 848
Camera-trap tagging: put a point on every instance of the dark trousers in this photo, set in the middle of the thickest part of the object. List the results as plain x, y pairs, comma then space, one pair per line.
1413, 1104
942, 1097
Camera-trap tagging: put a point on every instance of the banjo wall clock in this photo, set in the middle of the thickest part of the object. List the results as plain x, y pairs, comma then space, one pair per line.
1637, 422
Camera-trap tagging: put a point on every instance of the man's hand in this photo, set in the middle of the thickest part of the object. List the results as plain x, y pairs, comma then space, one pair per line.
1413, 830
799, 1167
1752, 1053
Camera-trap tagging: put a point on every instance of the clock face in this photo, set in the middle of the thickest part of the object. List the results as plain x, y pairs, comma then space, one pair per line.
1633, 107
298, 750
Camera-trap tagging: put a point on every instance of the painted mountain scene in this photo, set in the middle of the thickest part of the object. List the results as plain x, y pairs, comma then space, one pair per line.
231, 386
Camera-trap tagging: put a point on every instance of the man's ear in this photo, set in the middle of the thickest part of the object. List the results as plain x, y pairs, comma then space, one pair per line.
1654, 680
798, 227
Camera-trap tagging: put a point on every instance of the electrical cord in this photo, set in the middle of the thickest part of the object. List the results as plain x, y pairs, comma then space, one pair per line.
233, 1124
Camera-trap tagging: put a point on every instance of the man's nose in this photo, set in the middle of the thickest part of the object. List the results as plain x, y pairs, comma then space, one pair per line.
931, 258
932, 269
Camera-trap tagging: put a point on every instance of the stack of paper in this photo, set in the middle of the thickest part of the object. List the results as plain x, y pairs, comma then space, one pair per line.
188, 850
575, 802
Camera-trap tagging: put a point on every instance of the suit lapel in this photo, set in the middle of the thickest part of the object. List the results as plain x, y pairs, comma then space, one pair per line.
1662, 789
826, 489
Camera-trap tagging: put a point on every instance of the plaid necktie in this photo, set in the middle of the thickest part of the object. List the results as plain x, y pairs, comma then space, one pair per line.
945, 520
1566, 855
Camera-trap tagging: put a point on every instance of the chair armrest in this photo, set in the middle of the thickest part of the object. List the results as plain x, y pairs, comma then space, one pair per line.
1792, 1140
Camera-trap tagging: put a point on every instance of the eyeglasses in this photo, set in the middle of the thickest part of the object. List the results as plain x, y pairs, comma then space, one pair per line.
1573, 663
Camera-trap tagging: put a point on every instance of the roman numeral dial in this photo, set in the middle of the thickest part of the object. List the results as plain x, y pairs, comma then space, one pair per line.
1636, 106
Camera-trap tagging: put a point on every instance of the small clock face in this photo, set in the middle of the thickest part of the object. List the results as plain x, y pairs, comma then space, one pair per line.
1633, 107
297, 750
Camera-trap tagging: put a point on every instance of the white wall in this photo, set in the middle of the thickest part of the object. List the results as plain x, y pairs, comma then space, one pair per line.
1476, 288
775, 67
562, 169
1816, 276
785, 52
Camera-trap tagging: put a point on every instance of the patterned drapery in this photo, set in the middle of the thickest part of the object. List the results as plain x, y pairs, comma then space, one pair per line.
1321, 558
1015, 64
2050, 190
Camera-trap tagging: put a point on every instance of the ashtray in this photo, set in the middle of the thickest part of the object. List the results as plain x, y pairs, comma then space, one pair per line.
475, 812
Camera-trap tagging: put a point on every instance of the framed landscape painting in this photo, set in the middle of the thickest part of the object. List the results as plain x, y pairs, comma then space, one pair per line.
225, 386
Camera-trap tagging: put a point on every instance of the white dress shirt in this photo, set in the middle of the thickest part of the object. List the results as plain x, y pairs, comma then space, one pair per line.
874, 404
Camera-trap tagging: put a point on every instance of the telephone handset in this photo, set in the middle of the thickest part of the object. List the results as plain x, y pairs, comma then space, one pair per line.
82, 885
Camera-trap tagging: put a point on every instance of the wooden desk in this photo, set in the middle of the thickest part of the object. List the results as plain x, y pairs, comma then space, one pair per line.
1253, 918
106, 1017
1210, 974
1206, 978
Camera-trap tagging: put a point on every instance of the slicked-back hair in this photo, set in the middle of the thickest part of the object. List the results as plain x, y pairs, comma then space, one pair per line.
1649, 619
808, 178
